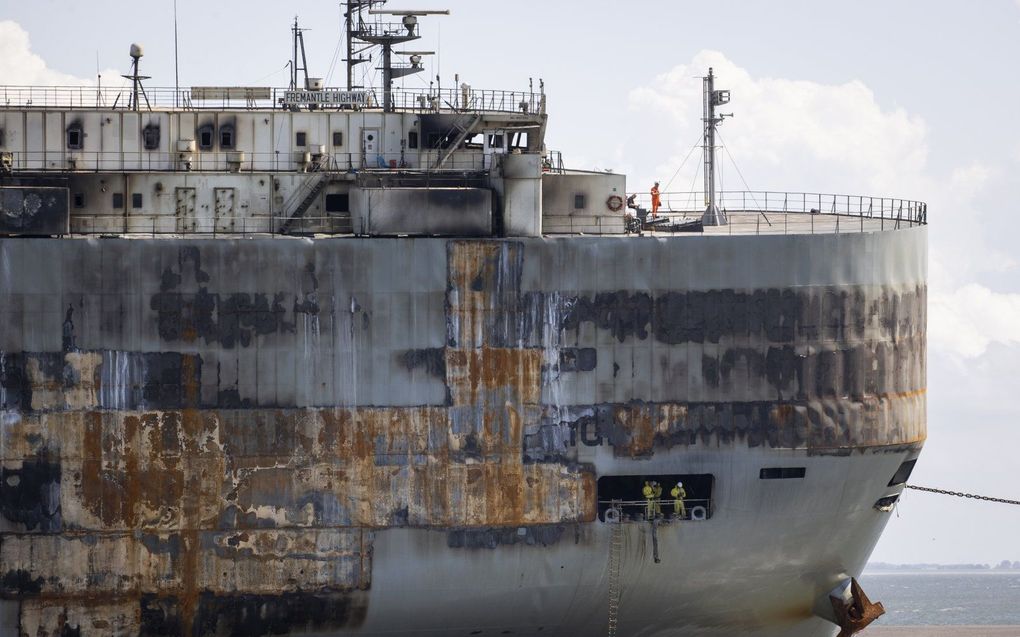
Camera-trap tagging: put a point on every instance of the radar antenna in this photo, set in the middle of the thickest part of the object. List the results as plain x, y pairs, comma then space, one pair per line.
713, 216
136, 79
362, 35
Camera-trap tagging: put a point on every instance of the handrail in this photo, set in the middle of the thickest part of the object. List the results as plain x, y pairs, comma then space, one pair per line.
107, 98
638, 508
239, 160
171, 225
767, 201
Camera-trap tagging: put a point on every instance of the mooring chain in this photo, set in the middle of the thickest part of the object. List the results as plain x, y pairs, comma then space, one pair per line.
963, 495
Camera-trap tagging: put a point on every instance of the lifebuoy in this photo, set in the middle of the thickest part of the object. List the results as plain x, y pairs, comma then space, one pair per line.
614, 203
699, 513
612, 515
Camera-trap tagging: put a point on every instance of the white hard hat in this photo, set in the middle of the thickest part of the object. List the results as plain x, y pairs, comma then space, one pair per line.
679, 484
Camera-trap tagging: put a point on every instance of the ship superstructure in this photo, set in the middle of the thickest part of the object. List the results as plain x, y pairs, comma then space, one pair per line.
367, 361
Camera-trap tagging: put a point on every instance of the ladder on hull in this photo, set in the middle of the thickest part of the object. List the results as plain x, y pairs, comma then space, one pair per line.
615, 557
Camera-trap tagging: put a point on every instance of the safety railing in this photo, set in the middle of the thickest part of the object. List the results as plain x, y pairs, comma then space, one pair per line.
466, 99
175, 225
694, 509
65, 161
84, 97
863, 206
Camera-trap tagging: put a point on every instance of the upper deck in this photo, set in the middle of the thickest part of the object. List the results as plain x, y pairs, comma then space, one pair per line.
263, 98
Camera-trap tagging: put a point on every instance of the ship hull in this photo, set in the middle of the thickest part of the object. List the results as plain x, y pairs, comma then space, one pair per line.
367, 436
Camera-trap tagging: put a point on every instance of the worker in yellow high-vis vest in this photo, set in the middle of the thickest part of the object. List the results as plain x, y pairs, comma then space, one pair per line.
649, 494
679, 493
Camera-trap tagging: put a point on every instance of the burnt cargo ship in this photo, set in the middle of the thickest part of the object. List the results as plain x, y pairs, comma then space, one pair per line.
372, 362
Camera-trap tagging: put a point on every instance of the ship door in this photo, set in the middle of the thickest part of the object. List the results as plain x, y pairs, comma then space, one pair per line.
371, 154
223, 198
494, 144
185, 209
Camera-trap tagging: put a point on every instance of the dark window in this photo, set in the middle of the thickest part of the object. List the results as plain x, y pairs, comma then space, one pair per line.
579, 202
338, 138
519, 140
79, 200
412, 139
496, 141
136, 200
903, 473
205, 137
782, 473
474, 141
118, 200
226, 136
150, 137
338, 203
3, 137
301, 139
74, 137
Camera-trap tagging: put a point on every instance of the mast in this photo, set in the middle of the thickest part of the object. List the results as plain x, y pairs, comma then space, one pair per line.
136, 80
711, 98
299, 47
384, 35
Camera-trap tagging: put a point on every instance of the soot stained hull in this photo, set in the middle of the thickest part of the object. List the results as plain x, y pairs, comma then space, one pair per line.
370, 436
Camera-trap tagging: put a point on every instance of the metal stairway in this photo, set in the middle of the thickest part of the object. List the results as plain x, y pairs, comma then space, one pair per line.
615, 557
465, 130
308, 192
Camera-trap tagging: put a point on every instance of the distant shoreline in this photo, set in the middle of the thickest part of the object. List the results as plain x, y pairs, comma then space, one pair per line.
941, 631
1005, 566
882, 571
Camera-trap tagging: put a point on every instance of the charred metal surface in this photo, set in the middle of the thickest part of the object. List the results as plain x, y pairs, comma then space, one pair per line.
30, 493
544, 535
211, 432
34, 210
431, 360
277, 614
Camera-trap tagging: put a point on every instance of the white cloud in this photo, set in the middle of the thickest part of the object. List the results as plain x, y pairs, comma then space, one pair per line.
19, 66
968, 320
802, 135
779, 122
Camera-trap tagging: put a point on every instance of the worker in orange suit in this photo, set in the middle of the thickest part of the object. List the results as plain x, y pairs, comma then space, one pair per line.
656, 200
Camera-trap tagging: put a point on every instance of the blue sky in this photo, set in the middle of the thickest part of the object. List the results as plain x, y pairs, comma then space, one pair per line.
912, 98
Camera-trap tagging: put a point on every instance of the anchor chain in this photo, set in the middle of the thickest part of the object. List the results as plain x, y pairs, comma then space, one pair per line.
958, 494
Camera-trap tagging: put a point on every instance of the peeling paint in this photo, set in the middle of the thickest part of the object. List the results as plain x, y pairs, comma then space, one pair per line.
187, 451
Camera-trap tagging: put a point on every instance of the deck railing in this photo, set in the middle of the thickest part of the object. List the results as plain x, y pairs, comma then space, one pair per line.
172, 225
766, 201
69, 161
109, 98
663, 508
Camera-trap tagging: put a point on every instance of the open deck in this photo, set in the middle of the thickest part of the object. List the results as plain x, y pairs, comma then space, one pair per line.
93, 98
785, 214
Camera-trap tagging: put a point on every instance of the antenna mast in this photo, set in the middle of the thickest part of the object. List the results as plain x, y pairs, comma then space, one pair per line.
353, 25
299, 47
385, 35
712, 98
136, 79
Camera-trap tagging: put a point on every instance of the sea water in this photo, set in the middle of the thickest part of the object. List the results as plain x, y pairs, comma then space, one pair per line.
946, 598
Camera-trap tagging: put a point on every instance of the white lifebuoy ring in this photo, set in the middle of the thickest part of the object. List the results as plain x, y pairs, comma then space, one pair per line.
699, 513
614, 203
612, 515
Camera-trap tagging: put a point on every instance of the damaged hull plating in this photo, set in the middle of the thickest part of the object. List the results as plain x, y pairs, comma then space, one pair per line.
357, 436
